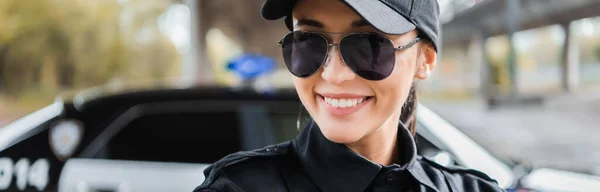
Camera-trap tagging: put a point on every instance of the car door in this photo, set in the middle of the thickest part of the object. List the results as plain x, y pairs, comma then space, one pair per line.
165, 146
27, 163
452, 147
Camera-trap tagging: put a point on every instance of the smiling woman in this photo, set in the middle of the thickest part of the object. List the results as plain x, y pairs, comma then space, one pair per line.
355, 66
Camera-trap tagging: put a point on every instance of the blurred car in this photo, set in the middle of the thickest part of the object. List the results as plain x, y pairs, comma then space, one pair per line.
109, 139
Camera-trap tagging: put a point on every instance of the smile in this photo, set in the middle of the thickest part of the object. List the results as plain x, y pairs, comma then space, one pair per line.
344, 102
343, 105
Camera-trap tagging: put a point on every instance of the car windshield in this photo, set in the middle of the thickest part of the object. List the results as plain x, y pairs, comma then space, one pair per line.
520, 79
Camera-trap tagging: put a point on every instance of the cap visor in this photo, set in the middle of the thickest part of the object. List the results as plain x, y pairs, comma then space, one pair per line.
382, 17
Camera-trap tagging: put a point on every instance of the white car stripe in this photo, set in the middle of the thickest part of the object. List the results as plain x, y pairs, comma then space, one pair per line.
10, 133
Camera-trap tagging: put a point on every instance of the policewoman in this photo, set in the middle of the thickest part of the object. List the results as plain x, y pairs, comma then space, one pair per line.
355, 67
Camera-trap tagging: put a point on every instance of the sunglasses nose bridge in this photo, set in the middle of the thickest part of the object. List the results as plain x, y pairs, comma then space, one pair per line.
335, 69
330, 49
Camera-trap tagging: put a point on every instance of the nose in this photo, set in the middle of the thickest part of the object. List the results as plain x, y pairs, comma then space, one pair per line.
335, 71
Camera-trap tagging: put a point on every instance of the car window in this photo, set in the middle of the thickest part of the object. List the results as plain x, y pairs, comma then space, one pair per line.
186, 137
202, 136
206, 135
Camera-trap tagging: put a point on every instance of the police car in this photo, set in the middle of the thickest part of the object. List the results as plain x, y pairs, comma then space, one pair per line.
135, 138
162, 139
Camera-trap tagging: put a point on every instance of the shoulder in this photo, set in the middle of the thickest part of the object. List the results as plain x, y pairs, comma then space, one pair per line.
457, 177
232, 172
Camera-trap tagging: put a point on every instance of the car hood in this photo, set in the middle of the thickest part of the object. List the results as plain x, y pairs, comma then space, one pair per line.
545, 179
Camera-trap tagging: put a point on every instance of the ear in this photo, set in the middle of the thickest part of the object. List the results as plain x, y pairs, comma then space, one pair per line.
426, 62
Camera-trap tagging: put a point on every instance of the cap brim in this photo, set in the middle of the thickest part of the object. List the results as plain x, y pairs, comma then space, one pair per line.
382, 17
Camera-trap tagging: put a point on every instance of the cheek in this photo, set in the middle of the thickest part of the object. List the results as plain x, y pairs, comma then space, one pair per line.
305, 89
394, 89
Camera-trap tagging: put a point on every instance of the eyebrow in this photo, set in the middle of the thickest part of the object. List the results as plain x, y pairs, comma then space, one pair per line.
314, 23
308, 22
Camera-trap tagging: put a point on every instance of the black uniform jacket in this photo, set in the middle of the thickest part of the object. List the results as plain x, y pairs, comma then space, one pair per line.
311, 162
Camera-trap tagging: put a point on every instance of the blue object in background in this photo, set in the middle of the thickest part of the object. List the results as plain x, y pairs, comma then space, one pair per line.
251, 66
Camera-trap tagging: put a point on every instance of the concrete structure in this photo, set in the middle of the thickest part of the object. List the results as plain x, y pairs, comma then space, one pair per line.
497, 17
239, 20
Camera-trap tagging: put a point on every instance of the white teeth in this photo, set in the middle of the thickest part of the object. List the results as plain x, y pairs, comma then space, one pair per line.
343, 103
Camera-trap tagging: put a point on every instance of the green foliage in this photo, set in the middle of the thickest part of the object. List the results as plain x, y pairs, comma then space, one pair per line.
52, 46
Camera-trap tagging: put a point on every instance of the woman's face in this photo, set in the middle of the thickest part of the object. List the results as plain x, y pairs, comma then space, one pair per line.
335, 82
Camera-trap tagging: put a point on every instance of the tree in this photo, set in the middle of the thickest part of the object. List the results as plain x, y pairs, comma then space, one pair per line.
50, 46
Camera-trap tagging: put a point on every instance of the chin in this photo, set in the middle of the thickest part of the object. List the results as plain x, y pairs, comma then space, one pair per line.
342, 133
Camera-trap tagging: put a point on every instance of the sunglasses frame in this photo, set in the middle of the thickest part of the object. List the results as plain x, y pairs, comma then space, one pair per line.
329, 45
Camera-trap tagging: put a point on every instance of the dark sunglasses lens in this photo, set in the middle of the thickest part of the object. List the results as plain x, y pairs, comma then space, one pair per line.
304, 52
371, 56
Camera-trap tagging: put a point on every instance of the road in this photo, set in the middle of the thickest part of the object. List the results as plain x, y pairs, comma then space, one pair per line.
562, 133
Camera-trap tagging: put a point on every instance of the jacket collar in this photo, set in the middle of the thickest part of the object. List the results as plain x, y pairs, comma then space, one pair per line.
334, 167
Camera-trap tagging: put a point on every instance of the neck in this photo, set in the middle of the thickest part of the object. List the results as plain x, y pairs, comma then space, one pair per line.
380, 145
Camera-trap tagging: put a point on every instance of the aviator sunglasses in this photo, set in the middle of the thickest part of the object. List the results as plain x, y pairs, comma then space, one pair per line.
369, 55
